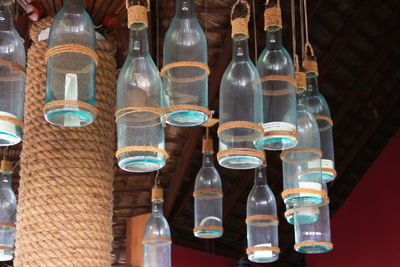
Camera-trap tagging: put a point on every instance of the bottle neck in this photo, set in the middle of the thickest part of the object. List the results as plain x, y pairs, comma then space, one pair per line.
138, 43
301, 98
184, 8
240, 47
260, 177
6, 15
312, 85
274, 39
157, 208
5, 180
208, 159
73, 3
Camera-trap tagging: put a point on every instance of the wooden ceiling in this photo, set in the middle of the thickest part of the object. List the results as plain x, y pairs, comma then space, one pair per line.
355, 42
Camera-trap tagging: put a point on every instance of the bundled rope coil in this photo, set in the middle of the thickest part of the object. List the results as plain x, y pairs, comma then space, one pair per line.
65, 196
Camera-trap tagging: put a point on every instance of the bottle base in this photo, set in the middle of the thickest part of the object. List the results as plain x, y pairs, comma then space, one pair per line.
240, 162
327, 177
308, 200
140, 163
263, 256
6, 255
186, 118
9, 139
279, 142
208, 234
10, 133
313, 249
67, 116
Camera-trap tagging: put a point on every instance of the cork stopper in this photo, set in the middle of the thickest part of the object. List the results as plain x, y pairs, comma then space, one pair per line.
157, 194
240, 17
301, 81
310, 65
208, 146
273, 16
6, 166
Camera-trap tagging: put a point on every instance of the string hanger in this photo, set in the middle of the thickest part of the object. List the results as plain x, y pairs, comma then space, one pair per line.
309, 61
157, 179
300, 76
240, 17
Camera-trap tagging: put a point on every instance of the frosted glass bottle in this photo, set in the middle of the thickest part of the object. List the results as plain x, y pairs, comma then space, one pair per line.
240, 101
71, 76
208, 199
185, 87
302, 176
12, 78
8, 209
279, 92
320, 109
157, 236
140, 121
262, 221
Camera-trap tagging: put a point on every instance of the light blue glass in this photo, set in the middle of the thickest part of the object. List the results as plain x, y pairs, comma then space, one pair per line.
157, 244
8, 209
319, 107
208, 203
71, 76
185, 85
140, 87
262, 232
240, 100
12, 80
279, 93
302, 165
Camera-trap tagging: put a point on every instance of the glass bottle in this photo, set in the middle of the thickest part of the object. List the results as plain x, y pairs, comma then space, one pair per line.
71, 76
140, 122
262, 221
279, 91
302, 165
8, 209
240, 103
12, 78
185, 86
208, 197
320, 109
157, 236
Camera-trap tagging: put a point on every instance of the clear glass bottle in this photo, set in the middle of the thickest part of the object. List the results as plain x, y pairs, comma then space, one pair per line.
208, 197
157, 236
140, 122
262, 221
302, 165
320, 109
71, 76
240, 102
8, 209
185, 86
279, 92
12, 79
312, 236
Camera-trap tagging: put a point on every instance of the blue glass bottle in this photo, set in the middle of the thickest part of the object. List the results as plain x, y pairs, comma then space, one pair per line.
71, 76
12, 77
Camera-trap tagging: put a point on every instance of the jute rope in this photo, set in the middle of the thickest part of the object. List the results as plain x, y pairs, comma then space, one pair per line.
272, 15
65, 194
14, 67
75, 103
188, 107
71, 48
313, 244
262, 217
13, 120
239, 124
241, 151
264, 248
186, 64
217, 193
208, 227
137, 14
240, 24
157, 239
142, 149
287, 192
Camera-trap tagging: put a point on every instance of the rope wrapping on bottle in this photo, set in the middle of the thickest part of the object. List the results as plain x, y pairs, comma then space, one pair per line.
291, 191
239, 124
208, 227
263, 248
331, 171
137, 14
186, 64
300, 81
313, 244
72, 48
142, 149
262, 217
272, 16
284, 154
241, 151
188, 107
13, 120
7, 248
14, 67
157, 239
325, 118
74, 103
217, 193
8, 224
120, 113
240, 24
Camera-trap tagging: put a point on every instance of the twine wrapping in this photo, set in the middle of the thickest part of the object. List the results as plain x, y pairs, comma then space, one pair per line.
216, 192
262, 217
188, 107
13, 120
301, 81
208, 227
264, 248
242, 151
239, 124
75, 103
273, 16
310, 64
324, 118
207, 146
157, 194
143, 149
240, 17
157, 239
186, 64
14, 67
6, 166
287, 192
65, 194
120, 113
72, 48
137, 14
313, 244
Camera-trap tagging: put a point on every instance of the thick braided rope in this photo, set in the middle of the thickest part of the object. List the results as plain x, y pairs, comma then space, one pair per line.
65, 195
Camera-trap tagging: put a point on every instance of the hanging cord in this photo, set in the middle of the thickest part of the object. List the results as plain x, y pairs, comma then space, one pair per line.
307, 42
255, 32
302, 28
295, 57
157, 179
157, 36
206, 15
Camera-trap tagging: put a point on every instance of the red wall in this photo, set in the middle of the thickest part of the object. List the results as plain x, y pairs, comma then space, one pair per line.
366, 229
186, 257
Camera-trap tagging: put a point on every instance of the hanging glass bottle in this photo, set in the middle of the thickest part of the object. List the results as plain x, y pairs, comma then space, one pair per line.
278, 84
157, 236
320, 109
208, 196
12, 77
71, 68
312, 236
240, 103
185, 72
262, 222
139, 116
301, 166
8, 209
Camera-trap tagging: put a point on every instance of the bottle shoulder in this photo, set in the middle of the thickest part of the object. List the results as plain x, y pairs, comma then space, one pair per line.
241, 74
12, 47
307, 129
261, 200
157, 226
275, 62
318, 105
208, 178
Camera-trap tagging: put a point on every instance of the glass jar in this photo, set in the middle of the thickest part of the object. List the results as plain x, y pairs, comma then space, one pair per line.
12, 77
185, 71
140, 120
208, 197
262, 221
71, 68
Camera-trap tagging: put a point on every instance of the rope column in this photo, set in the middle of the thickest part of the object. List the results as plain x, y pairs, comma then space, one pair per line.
65, 198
